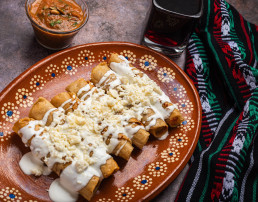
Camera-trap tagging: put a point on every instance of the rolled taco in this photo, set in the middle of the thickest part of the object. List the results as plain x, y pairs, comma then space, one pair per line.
68, 101
121, 66
42, 109
80, 87
134, 128
156, 126
139, 135
102, 75
31, 129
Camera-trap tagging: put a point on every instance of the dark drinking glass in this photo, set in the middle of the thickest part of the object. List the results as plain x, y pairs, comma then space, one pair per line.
170, 25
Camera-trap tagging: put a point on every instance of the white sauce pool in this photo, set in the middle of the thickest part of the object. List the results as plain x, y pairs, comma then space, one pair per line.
58, 193
31, 166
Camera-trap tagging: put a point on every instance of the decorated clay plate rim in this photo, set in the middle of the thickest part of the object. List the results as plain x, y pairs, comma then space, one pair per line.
173, 174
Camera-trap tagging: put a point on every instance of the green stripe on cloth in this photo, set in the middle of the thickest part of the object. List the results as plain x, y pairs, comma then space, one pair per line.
212, 108
252, 38
253, 69
221, 63
252, 124
199, 146
223, 141
217, 57
251, 127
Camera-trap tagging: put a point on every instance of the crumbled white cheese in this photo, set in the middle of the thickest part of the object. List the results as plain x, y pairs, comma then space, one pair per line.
75, 136
81, 165
37, 172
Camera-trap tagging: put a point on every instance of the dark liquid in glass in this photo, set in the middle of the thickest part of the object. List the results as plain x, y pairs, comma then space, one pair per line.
171, 21
186, 7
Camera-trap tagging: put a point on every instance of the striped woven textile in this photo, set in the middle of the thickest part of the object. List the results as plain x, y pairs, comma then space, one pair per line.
222, 60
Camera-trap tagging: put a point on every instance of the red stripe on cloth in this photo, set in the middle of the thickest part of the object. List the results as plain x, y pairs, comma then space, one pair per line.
206, 125
237, 74
206, 131
207, 135
216, 191
224, 154
226, 150
237, 123
219, 177
222, 159
220, 165
208, 141
246, 90
219, 171
217, 186
247, 96
226, 49
231, 140
191, 71
205, 121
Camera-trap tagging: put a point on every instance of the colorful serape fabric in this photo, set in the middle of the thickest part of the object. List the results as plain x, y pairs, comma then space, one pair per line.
222, 60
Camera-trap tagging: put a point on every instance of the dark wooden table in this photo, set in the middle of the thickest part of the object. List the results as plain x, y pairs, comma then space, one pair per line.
116, 20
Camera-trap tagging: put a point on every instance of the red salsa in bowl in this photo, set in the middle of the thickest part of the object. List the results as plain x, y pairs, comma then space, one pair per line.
56, 22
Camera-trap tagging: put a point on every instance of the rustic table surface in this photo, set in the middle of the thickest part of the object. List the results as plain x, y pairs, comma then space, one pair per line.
117, 20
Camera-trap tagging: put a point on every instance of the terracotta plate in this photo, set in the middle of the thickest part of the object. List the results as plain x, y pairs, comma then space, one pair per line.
147, 172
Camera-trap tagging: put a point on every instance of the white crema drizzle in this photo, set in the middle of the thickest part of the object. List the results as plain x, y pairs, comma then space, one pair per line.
143, 91
101, 108
72, 142
71, 137
84, 89
66, 102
